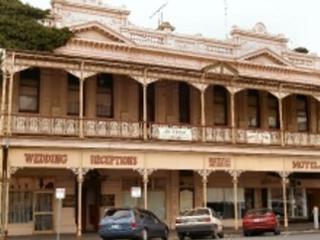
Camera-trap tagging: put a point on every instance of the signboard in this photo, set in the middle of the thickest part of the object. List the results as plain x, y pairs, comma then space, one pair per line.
167, 133
60, 193
219, 162
136, 192
258, 137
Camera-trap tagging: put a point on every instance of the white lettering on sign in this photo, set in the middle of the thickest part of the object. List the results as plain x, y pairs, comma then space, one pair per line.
167, 133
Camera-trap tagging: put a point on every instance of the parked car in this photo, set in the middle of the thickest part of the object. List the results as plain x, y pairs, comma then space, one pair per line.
260, 221
132, 223
199, 222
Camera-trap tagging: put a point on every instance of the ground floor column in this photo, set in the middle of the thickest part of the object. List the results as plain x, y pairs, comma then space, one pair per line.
284, 176
79, 223
204, 174
145, 173
235, 175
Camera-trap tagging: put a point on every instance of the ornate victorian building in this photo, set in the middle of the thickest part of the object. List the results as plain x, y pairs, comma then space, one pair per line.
193, 121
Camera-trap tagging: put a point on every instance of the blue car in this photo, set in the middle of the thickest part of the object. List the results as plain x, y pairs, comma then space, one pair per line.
131, 223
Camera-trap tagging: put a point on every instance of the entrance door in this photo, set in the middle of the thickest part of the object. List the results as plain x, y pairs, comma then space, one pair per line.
43, 211
91, 201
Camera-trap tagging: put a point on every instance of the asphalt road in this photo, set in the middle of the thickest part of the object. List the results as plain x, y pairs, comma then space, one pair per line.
308, 236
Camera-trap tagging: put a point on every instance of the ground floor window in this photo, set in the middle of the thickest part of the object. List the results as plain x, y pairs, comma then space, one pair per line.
20, 207
296, 202
221, 200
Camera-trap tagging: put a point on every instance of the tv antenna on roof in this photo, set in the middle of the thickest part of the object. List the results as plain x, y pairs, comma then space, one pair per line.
160, 13
226, 16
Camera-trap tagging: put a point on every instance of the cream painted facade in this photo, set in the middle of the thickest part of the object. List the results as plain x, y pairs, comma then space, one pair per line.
247, 133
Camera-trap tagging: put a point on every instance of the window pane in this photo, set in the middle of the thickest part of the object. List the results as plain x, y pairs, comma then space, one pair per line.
302, 113
43, 222
273, 114
184, 102
29, 90
253, 109
220, 106
20, 207
104, 104
73, 95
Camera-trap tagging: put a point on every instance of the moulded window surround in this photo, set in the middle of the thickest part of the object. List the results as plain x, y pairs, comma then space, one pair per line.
253, 109
184, 103
73, 95
302, 113
104, 105
29, 89
273, 112
220, 101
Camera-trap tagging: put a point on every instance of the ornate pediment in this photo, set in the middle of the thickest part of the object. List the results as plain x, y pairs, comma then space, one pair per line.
265, 56
96, 31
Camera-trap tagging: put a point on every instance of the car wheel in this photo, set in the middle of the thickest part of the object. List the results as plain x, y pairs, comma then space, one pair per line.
221, 235
246, 233
180, 236
277, 231
166, 235
144, 234
215, 235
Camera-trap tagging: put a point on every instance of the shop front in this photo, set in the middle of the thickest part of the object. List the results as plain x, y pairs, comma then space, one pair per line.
170, 182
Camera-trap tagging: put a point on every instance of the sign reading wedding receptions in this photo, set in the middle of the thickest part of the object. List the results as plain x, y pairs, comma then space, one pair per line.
167, 133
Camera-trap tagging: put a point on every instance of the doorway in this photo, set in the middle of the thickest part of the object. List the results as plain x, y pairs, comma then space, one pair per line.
43, 211
91, 201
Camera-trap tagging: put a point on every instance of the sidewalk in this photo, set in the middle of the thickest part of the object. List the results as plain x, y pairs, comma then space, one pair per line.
294, 229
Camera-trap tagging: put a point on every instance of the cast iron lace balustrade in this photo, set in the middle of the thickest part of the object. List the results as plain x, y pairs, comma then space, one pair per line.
302, 139
257, 136
39, 125
218, 134
113, 129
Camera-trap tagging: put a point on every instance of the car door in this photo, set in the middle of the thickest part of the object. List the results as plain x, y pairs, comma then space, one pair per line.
158, 226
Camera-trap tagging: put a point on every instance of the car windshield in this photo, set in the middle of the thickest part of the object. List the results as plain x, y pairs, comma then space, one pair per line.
118, 213
196, 212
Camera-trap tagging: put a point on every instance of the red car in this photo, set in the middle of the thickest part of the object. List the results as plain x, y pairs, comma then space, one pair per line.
260, 221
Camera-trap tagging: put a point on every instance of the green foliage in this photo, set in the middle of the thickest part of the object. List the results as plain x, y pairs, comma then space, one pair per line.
20, 28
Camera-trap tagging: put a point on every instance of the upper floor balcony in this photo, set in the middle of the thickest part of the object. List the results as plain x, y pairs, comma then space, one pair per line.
51, 102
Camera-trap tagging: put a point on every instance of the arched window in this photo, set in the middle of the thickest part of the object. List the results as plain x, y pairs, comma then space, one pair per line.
273, 112
184, 103
302, 113
104, 103
220, 101
253, 109
73, 95
29, 87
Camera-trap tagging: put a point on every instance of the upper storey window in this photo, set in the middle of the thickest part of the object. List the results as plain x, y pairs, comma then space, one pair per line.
253, 109
184, 102
220, 97
29, 90
105, 96
302, 113
273, 112
73, 95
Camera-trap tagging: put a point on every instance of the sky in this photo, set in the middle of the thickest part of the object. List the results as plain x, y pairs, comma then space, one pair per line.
297, 19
